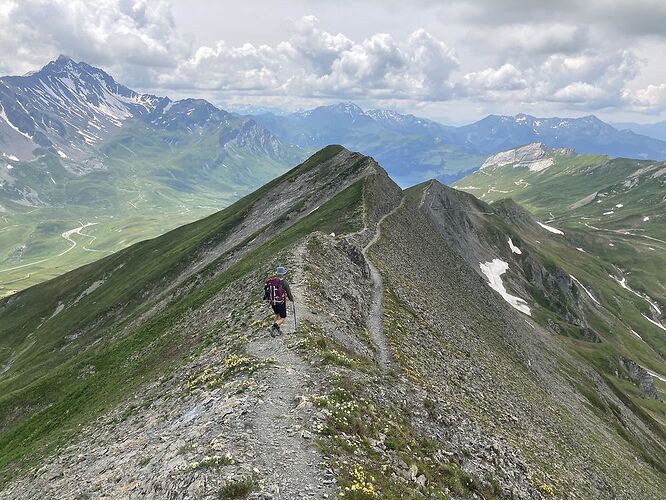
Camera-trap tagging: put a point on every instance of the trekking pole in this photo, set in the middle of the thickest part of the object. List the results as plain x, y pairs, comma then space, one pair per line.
295, 325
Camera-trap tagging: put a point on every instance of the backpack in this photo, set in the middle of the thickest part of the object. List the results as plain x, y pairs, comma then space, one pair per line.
274, 291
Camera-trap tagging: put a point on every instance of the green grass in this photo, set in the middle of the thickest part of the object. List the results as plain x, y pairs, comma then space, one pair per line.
236, 489
153, 181
44, 400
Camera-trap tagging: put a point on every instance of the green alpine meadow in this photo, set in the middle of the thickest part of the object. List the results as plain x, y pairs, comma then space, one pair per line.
356, 250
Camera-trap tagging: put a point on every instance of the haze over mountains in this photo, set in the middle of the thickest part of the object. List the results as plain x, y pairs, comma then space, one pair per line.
89, 166
656, 130
415, 149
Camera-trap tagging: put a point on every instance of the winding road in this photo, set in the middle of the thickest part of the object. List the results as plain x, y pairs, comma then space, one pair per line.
68, 237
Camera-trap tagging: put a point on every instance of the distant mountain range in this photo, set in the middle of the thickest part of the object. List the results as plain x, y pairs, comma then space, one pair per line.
414, 149
73, 116
586, 135
78, 149
654, 130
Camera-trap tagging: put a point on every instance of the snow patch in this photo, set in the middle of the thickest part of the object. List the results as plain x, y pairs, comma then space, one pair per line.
580, 249
514, 248
494, 271
655, 375
550, 228
609, 213
637, 335
655, 323
4, 117
61, 154
619, 205
586, 290
646, 218
623, 283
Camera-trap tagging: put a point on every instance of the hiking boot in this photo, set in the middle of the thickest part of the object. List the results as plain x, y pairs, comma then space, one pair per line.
274, 330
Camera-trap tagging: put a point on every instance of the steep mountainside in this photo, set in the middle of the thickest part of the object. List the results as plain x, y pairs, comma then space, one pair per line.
410, 372
611, 208
88, 166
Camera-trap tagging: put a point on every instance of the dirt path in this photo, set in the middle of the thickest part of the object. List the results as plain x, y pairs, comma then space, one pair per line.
291, 465
376, 316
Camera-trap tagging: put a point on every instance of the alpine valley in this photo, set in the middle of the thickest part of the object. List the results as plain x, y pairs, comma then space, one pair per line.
89, 166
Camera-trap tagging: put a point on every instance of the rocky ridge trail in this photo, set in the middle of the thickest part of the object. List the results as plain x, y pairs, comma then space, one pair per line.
376, 315
302, 299
291, 463
208, 426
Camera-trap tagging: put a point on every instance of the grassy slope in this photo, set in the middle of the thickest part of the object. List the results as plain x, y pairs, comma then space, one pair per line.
622, 239
619, 314
44, 398
153, 181
550, 194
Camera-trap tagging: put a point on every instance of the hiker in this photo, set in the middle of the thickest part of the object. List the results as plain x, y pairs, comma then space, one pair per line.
276, 292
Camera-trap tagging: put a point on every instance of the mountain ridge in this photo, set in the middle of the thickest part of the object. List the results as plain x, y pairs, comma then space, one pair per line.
81, 150
160, 354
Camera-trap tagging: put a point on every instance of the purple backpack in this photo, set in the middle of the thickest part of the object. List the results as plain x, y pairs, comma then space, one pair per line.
274, 291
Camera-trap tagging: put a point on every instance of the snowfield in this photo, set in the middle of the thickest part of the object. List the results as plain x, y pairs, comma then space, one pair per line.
494, 271
550, 229
659, 325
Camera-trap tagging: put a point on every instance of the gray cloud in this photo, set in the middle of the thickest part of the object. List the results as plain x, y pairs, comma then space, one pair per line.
622, 17
476, 54
110, 32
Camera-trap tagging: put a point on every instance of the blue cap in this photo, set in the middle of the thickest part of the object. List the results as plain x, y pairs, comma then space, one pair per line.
281, 270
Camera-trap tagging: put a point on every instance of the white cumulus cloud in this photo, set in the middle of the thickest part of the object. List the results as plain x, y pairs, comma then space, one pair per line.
652, 96
506, 77
314, 62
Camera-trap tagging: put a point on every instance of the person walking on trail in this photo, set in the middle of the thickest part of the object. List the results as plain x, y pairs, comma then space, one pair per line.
276, 292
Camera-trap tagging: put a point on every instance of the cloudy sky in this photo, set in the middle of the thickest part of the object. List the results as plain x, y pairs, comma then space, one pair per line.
454, 61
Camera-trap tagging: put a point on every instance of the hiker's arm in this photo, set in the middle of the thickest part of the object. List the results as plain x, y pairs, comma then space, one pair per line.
287, 289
